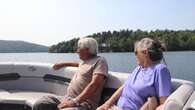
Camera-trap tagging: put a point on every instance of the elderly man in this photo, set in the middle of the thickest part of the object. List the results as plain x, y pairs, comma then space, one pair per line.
85, 88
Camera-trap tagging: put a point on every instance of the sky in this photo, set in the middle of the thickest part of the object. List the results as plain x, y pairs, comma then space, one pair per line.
49, 22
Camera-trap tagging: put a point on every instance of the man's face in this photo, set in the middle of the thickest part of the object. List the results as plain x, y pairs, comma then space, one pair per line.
83, 53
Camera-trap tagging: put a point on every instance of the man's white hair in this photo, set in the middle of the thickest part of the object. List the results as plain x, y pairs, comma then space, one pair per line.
89, 43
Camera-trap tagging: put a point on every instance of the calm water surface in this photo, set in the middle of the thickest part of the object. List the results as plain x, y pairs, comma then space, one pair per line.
181, 64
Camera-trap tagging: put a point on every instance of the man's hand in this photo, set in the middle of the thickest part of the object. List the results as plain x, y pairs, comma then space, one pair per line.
65, 104
57, 66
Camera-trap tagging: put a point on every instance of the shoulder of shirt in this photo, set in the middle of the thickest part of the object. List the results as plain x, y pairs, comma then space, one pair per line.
100, 58
160, 66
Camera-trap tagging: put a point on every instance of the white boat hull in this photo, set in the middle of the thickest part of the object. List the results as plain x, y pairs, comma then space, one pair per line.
24, 83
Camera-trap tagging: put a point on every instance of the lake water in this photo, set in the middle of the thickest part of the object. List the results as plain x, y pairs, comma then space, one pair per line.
181, 64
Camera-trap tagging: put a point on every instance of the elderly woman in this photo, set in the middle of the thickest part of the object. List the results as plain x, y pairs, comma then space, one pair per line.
149, 78
85, 88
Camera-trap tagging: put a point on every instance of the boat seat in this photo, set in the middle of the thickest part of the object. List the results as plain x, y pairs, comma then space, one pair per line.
179, 97
191, 102
3, 92
28, 98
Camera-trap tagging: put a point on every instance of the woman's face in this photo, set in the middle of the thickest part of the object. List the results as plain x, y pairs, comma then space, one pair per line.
140, 56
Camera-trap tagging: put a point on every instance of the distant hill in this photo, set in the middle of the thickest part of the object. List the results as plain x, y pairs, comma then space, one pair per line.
123, 40
7, 46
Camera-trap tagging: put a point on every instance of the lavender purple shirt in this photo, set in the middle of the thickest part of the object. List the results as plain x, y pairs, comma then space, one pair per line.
143, 83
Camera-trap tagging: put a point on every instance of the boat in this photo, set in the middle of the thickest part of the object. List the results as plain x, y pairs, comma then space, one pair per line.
23, 83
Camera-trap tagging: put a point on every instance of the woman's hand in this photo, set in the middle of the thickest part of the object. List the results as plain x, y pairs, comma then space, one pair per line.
103, 107
150, 104
57, 66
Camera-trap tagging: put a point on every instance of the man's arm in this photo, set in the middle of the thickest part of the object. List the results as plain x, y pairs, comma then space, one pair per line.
97, 81
74, 64
61, 65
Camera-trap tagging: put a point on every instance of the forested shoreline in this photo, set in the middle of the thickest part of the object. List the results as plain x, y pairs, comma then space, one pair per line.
123, 40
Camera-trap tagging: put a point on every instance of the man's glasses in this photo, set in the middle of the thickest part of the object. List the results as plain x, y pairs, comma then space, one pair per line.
135, 52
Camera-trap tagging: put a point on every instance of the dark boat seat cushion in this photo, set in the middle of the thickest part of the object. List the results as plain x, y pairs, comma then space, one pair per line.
22, 97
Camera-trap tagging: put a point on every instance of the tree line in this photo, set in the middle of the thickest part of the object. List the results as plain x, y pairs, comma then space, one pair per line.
123, 40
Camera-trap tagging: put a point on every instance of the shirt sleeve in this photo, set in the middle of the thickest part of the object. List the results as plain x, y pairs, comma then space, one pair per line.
163, 83
101, 67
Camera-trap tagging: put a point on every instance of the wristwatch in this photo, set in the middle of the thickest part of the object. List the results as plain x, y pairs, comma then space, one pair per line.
76, 101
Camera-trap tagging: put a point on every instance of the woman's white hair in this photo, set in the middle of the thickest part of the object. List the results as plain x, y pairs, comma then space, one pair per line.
154, 47
145, 43
89, 43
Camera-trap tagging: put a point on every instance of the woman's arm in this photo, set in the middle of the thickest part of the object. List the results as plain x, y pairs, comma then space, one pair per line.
163, 85
150, 104
162, 101
111, 100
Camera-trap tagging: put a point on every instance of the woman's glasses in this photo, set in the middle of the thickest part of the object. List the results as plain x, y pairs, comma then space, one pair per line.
136, 52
